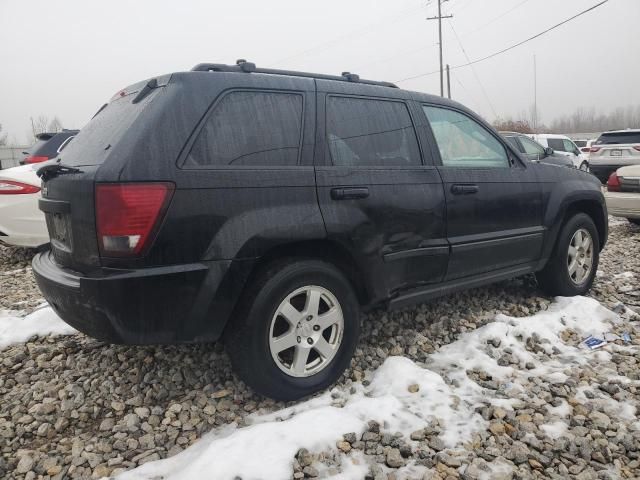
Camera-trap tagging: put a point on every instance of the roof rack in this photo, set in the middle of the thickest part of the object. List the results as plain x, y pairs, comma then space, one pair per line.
248, 67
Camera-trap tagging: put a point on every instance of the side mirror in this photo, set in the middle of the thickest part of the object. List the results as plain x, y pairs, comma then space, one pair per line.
548, 151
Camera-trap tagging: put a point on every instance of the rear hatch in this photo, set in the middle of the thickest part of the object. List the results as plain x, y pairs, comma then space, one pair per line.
617, 148
98, 153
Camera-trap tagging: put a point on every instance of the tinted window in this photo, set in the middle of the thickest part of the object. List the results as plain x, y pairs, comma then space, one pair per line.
619, 137
251, 128
363, 132
463, 142
569, 146
557, 144
580, 143
531, 147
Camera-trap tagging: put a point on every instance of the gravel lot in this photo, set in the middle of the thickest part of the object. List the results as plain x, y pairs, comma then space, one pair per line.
72, 407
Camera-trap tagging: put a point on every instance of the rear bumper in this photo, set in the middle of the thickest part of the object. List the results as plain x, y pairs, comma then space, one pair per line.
625, 205
176, 304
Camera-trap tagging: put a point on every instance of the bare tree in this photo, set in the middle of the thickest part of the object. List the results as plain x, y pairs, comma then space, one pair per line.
510, 125
39, 125
55, 125
587, 120
3, 137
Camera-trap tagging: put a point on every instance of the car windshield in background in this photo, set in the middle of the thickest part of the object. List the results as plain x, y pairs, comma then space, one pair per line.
618, 138
580, 143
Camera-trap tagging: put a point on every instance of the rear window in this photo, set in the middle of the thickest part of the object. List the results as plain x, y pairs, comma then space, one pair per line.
618, 138
106, 128
580, 143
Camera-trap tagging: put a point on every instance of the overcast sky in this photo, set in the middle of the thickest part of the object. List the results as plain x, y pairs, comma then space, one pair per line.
68, 57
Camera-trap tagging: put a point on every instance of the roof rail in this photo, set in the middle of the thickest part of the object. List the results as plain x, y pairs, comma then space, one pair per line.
248, 67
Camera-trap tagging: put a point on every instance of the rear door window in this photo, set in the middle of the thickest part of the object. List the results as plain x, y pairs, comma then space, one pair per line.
250, 128
365, 132
463, 142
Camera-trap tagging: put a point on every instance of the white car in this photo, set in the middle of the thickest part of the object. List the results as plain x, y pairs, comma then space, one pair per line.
22, 224
563, 145
623, 193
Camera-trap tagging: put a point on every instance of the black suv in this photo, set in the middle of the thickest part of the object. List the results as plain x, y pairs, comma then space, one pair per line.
268, 208
47, 146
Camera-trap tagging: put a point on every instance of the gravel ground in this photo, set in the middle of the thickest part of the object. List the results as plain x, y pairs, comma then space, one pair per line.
72, 407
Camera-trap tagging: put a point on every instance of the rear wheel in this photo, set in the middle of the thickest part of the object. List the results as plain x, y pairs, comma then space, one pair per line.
584, 166
297, 329
572, 267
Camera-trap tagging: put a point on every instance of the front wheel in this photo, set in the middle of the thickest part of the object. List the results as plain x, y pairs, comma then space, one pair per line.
574, 261
296, 331
584, 166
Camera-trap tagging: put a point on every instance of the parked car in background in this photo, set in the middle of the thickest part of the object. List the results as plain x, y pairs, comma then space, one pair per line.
623, 193
563, 145
532, 150
347, 194
613, 150
585, 145
22, 224
47, 146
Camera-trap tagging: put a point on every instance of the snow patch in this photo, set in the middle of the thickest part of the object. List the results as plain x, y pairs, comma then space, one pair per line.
16, 328
266, 448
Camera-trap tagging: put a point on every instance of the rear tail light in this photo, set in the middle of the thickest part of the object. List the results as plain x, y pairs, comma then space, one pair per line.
585, 150
35, 159
594, 149
613, 184
128, 216
9, 187
636, 147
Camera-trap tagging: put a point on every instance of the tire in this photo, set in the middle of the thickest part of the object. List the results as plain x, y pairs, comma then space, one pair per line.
555, 278
250, 338
584, 166
635, 221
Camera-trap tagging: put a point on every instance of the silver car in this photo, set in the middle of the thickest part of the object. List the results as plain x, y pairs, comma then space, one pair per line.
613, 150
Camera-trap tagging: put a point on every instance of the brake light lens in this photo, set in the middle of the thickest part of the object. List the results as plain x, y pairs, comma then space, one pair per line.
9, 187
128, 216
613, 184
595, 149
636, 147
35, 159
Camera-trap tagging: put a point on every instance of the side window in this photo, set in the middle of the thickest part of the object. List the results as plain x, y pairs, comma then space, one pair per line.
365, 132
569, 146
557, 144
531, 147
463, 142
251, 128
515, 144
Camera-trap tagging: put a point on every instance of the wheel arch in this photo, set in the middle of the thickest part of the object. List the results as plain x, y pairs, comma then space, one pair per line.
326, 250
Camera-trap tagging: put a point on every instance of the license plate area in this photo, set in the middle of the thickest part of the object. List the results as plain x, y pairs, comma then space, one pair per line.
616, 153
59, 228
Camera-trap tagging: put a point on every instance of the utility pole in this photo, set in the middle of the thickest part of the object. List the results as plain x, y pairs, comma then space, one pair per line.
535, 96
439, 18
448, 82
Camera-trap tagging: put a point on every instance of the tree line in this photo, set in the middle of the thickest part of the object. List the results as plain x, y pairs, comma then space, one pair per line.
582, 120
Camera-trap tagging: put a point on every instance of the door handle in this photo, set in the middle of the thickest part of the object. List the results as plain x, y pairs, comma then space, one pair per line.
464, 189
349, 193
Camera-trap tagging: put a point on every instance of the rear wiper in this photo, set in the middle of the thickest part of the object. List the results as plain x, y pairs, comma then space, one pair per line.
50, 171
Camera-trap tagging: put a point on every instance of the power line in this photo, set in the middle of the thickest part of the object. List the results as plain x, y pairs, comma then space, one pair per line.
355, 33
475, 74
511, 47
482, 27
